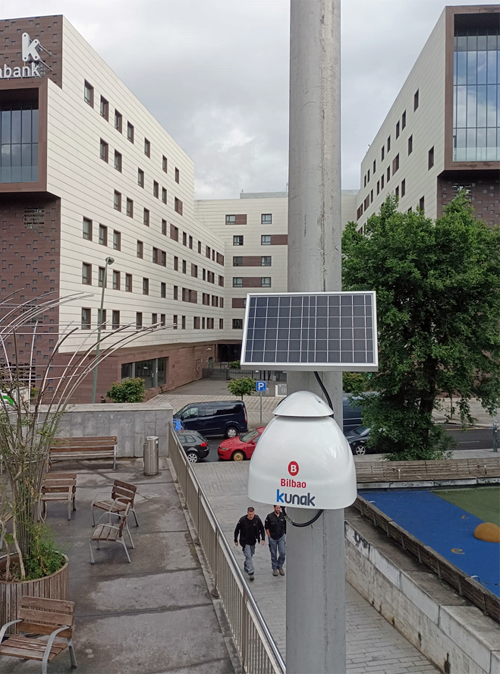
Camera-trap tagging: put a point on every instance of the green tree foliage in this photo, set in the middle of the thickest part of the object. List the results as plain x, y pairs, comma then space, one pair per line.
242, 387
438, 306
235, 365
128, 391
355, 382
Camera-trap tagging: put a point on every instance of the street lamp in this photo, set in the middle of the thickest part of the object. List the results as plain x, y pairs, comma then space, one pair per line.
109, 260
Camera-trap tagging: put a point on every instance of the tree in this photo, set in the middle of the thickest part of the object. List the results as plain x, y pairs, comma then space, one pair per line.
438, 306
242, 387
128, 391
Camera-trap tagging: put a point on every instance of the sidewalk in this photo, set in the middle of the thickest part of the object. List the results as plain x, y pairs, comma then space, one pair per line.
153, 616
373, 645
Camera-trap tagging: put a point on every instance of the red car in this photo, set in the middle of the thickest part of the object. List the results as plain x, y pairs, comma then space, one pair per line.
241, 447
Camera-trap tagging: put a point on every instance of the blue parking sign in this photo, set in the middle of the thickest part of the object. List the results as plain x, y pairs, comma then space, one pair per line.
260, 385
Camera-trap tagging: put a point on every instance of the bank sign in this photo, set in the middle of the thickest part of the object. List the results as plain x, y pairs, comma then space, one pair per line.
31, 58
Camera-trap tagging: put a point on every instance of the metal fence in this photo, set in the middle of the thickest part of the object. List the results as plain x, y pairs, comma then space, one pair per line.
257, 649
465, 585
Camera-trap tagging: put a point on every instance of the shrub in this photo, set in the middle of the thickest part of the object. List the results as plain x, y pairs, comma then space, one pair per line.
128, 391
235, 365
355, 382
242, 387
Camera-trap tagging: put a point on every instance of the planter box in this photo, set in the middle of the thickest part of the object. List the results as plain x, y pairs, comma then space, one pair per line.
55, 586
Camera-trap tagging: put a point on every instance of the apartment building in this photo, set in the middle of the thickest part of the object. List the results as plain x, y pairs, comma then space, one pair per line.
255, 231
88, 175
442, 131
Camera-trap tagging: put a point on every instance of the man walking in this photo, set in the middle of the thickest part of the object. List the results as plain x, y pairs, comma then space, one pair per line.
250, 530
275, 526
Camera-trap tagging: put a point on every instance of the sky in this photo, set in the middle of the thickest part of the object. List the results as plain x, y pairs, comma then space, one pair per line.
223, 69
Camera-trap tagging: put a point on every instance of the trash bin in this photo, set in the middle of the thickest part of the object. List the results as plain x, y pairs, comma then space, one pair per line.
151, 455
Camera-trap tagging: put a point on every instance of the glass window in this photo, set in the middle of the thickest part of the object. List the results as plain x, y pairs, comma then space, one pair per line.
18, 143
237, 240
164, 164
138, 321
130, 208
86, 316
88, 94
237, 324
237, 282
100, 277
117, 240
265, 240
104, 108
118, 121
145, 218
117, 201
116, 280
86, 274
164, 195
156, 189
87, 229
266, 219
177, 175
140, 249
266, 261
265, 282
147, 147
104, 150
128, 283
163, 289
140, 177
118, 161
130, 132
103, 235
145, 286
237, 261
230, 219
115, 319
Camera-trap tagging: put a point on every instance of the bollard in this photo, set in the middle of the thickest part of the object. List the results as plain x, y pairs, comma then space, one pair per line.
151, 455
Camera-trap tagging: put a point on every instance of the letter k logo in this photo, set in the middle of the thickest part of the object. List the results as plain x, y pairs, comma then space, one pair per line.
30, 48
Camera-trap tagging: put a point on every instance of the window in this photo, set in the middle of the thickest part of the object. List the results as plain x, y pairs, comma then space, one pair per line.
164, 195
115, 320
364, 181
130, 132
403, 120
194, 270
138, 319
103, 235
395, 164
207, 252
117, 240
116, 280
117, 201
237, 282
382, 181
164, 227
104, 150
265, 240
163, 289
175, 321
163, 258
199, 247
265, 282
140, 177
87, 274
177, 175
378, 186
237, 240
196, 322
368, 175
87, 229
178, 206
156, 189
88, 94
176, 292
237, 261
382, 153
101, 319
145, 217
147, 150
130, 208
398, 126
100, 277
118, 161
410, 144
416, 100
184, 239
430, 160
421, 203
128, 283
191, 242
397, 192
162, 319
86, 315
237, 324
221, 281
145, 286
230, 219
266, 219
140, 249
104, 108
118, 121
388, 173
374, 166
183, 324
221, 323
176, 263
265, 261
155, 255
184, 267
154, 319
388, 144
403, 188
164, 164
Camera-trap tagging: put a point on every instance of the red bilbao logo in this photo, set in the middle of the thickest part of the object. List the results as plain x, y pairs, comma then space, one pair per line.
293, 468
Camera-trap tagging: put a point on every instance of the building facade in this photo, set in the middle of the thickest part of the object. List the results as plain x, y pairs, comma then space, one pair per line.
442, 132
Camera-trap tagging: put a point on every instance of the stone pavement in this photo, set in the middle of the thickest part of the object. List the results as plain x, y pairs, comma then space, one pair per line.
153, 616
373, 645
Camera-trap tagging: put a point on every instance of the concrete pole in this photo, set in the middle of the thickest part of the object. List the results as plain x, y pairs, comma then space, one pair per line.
315, 582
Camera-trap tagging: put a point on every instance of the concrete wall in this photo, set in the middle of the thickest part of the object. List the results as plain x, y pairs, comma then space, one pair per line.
130, 422
454, 635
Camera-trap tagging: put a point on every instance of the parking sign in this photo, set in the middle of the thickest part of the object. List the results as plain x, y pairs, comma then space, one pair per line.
260, 385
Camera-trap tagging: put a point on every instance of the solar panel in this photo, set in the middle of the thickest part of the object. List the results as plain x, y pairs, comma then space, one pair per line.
311, 331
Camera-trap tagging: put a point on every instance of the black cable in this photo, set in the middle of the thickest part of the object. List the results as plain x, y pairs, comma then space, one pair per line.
304, 524
318, 379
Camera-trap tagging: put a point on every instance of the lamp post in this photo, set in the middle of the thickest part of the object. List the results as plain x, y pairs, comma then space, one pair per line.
109, 260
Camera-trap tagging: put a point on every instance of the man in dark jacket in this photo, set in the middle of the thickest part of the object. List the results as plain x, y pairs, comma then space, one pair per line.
276, 531
250, 530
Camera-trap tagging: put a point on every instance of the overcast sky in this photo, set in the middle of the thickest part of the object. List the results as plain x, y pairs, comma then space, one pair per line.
223, 69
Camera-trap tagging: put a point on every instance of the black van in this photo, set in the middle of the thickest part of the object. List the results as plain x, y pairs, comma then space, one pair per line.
222, 417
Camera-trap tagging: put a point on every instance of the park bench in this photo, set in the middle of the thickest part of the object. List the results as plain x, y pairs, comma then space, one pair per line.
77, 449
111, 533
37, 616
121, 494
58, 487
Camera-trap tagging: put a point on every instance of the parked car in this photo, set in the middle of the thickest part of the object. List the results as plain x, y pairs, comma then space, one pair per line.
194, 444
237, 449
358, 439
221, 417
352, 416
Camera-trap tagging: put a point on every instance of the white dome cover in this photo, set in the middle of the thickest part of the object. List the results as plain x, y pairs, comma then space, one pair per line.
303, 404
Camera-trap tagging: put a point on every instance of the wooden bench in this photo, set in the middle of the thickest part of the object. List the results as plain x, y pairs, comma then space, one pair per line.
37, 616
58, 487
77, 449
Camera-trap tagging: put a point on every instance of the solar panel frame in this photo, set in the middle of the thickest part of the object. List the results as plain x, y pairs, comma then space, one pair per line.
333, 322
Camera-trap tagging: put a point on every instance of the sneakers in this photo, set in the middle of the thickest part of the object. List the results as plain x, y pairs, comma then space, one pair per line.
281, 571
275, 572
250, 576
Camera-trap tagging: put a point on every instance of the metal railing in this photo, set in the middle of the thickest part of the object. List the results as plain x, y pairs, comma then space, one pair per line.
257, 649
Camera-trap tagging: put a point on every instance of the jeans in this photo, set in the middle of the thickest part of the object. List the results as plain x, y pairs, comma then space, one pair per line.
277, 546
248, 552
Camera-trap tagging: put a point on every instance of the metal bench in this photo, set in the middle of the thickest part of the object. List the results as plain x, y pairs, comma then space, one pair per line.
77, 449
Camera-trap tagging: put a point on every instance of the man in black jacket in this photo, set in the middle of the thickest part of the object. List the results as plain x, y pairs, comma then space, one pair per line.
276, 530
250, 530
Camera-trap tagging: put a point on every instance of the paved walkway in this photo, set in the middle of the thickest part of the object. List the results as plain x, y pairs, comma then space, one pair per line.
373, 645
